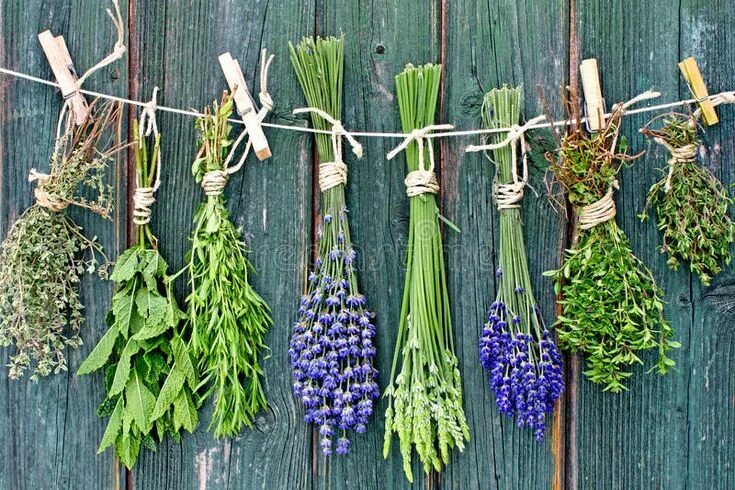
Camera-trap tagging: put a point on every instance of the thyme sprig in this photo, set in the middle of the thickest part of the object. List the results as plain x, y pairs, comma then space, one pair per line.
149, 377
228, 319
516, 347
46, 253
332, 348
612, 308
425, 396
691, 204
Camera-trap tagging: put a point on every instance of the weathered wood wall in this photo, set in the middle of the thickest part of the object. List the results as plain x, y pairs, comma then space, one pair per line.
671, 432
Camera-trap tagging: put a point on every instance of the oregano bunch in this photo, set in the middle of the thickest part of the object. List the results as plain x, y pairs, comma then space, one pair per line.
332, 347
611, 306
45, 253
228, 319
425, 392
691, 204
149, 377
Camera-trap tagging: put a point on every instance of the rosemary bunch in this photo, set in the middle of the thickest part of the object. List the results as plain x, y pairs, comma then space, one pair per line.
691, 204
228, 318
149, 377
612, 308
45, 253
332, 349
425, 397
516, 347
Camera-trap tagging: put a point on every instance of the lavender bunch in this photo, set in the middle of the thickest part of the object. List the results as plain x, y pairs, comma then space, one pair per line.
332, 349
516, 347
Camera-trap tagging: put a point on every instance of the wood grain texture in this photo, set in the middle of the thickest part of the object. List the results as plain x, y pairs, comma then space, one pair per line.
49, 429
490, 44
381, 37
179, 42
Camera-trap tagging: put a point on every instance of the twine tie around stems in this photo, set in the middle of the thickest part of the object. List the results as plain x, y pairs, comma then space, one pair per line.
683, 154
423, 180
510, 195
600, 211
143, 198
332, 174
214, 181
44, 198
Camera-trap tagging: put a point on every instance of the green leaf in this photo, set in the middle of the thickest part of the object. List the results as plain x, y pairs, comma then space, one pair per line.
170, 390
113, 427
151, 306
122, 309
127, 448
101, 352
185, 413
122, 372
126, 266
183, 361
140, 402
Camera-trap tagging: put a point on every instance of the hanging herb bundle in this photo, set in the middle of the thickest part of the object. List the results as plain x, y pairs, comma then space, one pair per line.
228, 318
149, 377
332, 349
691, 204
516, 347
46, 253
425, 396
612, 308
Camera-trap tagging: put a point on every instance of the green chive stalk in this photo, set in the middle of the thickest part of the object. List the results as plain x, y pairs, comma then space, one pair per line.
425, 397
228, 319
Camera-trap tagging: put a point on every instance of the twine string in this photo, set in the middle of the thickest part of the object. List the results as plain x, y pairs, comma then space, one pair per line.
683, 154
334, 173
143, 197
43, 197
600, 211
423, 180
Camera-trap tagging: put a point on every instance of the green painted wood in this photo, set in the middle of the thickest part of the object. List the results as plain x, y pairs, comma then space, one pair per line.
641, 439
513, 42
711, 419
49, 429
381, 37
178, 43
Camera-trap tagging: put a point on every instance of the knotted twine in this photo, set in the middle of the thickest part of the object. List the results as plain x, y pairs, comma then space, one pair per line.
214, 181
334, 173
688, 153
143, 198
510, 195
423, 180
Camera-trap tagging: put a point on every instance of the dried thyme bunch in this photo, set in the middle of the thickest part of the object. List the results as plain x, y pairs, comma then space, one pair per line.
612, 308
332, 348
516, 347
228, 318
691, 204
149, 377
45, 253
425, 396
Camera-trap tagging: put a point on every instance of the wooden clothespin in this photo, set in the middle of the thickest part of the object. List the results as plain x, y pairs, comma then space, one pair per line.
245, 105
62, 66
693, 76
593, 100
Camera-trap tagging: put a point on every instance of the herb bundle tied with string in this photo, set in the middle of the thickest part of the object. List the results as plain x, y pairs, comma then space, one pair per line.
516, 348
332, 347
691, 205
227, 318
45, 254
611, 306
425, 392
149, 376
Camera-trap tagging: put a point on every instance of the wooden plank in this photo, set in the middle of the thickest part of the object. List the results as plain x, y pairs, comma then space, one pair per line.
380, 39
711, 388
513, 42
50, 429
637, 439
177, 44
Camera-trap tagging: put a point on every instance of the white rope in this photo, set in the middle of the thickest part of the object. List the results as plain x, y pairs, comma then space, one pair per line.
599, 212
143, 197
423, 180
368, 134
683, 154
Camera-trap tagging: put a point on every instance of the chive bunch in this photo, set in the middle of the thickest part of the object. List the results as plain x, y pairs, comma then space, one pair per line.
691, 204
516, 347
228, 319
612, 308
332, 349
425, 395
